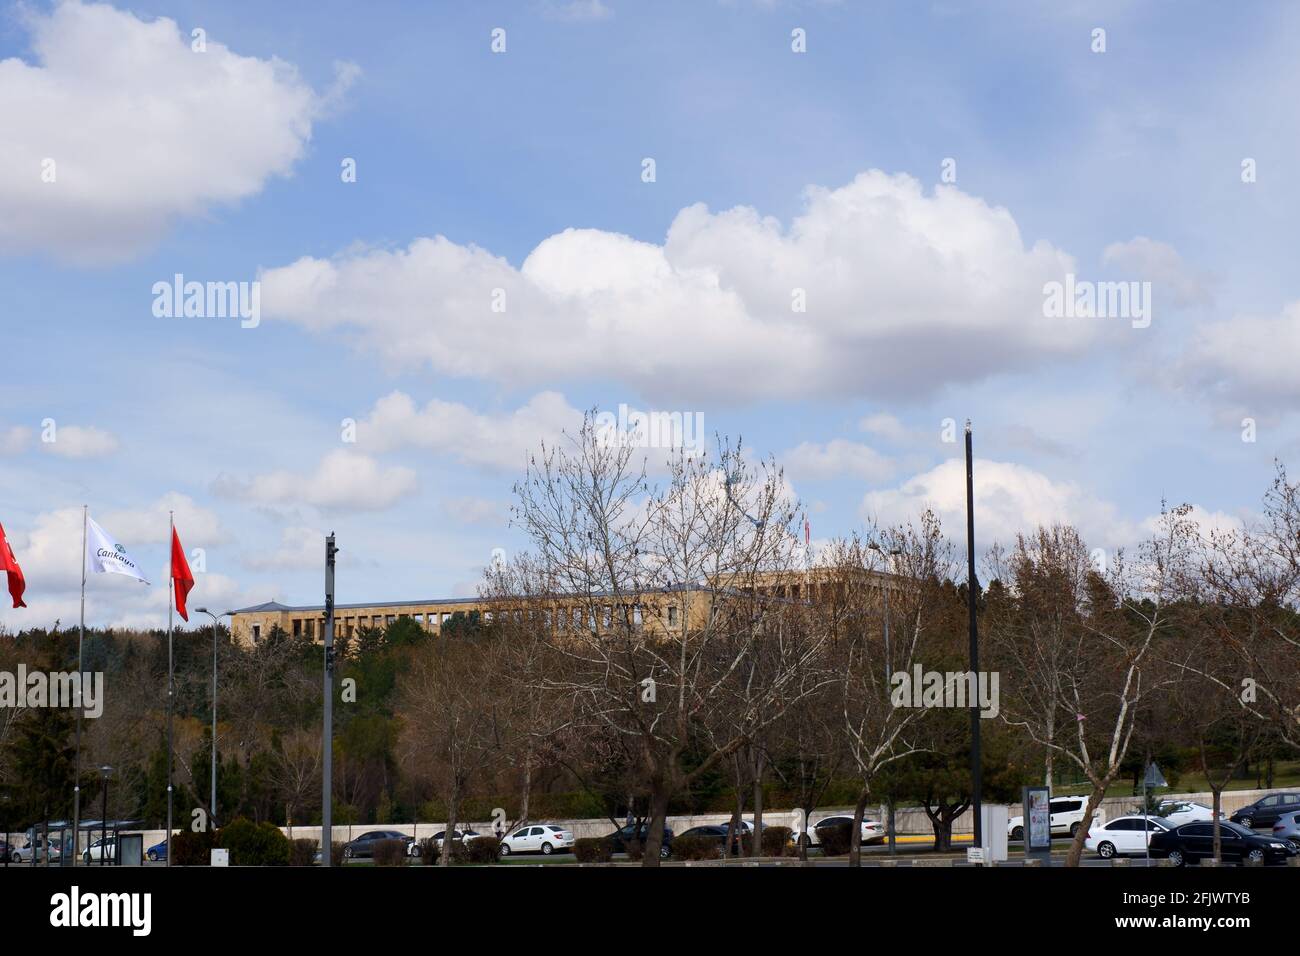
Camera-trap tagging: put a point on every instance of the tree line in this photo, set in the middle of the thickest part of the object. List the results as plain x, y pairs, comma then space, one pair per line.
639, 661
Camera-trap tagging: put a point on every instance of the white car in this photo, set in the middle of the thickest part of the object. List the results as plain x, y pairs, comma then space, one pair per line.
873, 831
457, 836
1124, 836
541, 838
1178, 812
101, 849
1066, 818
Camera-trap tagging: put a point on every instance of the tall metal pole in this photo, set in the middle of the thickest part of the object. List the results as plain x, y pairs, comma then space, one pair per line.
81, 640
171, 683
975, 768
212, 807
327, 725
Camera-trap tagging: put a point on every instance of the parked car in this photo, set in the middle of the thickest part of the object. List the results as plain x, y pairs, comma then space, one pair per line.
1265, 811
1066, 818
1124, 835
6, 851
1178, 812
541, 838
157, 852
457, 836
364, 845
873, 831
1195, 841
709, 832
24, 853
1287, 827
105, 848
623, 836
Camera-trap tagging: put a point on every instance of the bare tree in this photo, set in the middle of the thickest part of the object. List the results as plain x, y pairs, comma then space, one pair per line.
658, 600
1106, 634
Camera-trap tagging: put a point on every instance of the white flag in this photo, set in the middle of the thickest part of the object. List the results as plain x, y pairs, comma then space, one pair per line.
105, 556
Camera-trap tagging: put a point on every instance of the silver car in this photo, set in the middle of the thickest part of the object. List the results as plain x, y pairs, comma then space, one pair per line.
1287, 828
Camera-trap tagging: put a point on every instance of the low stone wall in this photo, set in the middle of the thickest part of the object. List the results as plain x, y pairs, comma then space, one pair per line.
907, 820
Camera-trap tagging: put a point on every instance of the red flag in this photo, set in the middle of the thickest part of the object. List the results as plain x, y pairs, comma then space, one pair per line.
9, 564
182, 578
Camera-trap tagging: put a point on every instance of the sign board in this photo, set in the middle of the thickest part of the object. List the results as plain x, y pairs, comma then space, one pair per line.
1038, 819
130, 849
975, 854
221, 858
994, 818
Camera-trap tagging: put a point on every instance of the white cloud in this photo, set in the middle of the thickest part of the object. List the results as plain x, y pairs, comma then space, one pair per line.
1009, 498
141, 128
342, 479
450, 428
14, 440
80, 441
1247, 358
837, 458
919, 289
196, 525
472, 510
299, 548
886, 426
1158, 263
576, 10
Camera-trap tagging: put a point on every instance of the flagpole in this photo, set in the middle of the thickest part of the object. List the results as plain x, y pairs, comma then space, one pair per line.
81, 639
171, 678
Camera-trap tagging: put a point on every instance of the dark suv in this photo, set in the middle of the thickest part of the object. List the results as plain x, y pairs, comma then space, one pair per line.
1265, 811
621, 837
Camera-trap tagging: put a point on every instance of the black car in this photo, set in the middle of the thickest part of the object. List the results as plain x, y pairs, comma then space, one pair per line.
712, 832
364, 845
1195, 841
619, 839
1265, 811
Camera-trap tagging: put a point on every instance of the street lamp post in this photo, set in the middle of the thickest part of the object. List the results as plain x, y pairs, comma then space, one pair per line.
212, 806
891, 553
105, 772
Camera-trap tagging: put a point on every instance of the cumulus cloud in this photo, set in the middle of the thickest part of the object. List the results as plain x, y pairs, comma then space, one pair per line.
79, 441
342, 479
140, 128
299, 548
870, 275
14, 439
1159, 263
886, 426
50, 550
1009, 498
474, 438
576, 10
1248, 359
837, 458
473, 510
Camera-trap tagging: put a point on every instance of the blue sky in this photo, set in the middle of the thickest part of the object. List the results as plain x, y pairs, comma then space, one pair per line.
774, 170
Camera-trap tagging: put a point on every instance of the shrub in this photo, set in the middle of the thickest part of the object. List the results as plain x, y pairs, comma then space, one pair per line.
429, 851
480, 850
192, 849
835, 840
302, 853
336, 853
776, 841
390, 853
635, 850
593, 850
254, 844
696, 848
